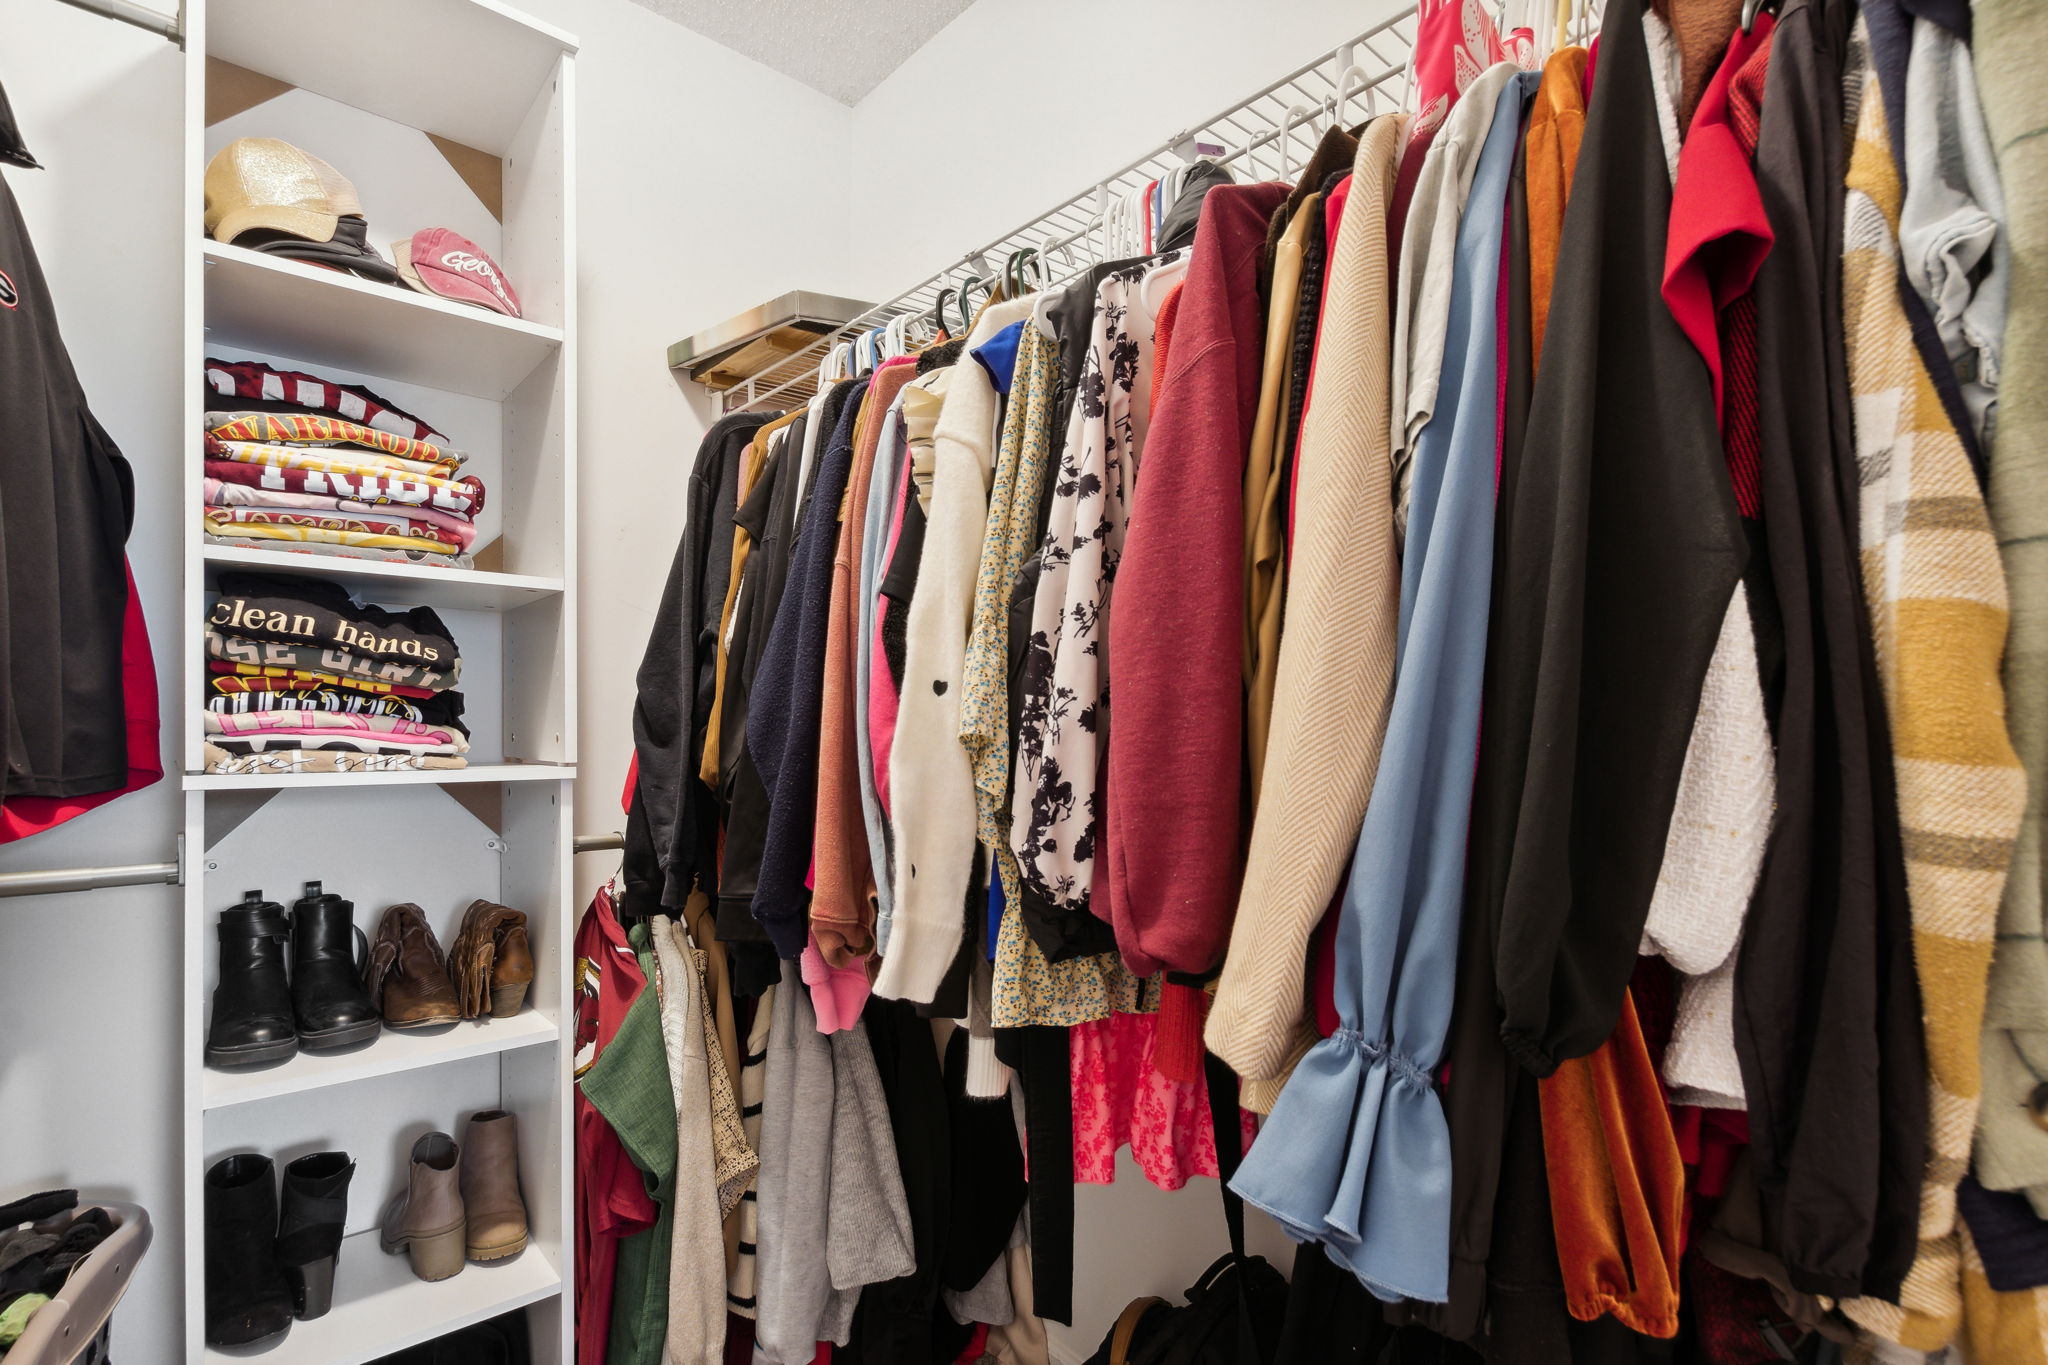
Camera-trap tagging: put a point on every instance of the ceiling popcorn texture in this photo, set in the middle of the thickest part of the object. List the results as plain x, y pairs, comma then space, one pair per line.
842, 48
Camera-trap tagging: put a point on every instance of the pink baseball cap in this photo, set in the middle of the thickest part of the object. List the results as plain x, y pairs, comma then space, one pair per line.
444, 263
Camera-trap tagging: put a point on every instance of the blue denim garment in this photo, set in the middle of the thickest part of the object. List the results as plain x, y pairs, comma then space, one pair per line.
1357, 1154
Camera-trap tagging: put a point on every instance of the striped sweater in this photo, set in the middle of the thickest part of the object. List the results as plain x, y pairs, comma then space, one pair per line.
1936, 591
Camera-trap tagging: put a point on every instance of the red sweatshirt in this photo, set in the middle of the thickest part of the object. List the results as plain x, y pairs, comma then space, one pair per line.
1174, 794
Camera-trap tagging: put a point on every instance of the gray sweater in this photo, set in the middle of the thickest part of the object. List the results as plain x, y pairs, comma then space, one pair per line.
833, 1217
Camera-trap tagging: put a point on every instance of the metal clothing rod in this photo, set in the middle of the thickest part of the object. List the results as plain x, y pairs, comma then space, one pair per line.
88, 878
597, 843
170, 26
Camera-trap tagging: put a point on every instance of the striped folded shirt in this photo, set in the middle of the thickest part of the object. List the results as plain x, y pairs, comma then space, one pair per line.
308, 429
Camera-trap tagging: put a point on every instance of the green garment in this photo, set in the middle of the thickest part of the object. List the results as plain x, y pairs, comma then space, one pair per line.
628, 1085
14, 1317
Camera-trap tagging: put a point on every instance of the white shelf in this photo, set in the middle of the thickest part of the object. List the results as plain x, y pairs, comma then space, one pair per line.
466, 69
405, 584
381, 1307
393, 1051
406, 777
325, 317
478, 73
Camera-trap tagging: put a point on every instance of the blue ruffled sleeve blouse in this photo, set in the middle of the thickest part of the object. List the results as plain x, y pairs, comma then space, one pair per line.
1357, 1154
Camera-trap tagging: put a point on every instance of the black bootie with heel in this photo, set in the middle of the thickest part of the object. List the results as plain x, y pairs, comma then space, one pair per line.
246, 1298
309, 1228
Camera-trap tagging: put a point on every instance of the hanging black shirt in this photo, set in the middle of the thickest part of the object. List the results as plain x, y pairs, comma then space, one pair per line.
66, 502
1622, 547
1827, 1022
676, 818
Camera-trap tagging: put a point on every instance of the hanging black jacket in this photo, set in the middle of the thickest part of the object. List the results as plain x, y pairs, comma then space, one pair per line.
766, 515
672, 844
1622, 547
1827, 1007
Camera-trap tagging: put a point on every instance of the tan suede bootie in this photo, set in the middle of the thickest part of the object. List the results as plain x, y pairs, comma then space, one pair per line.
490, 1186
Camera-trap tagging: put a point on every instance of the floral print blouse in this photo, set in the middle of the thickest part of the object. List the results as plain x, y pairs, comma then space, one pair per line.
1064, 732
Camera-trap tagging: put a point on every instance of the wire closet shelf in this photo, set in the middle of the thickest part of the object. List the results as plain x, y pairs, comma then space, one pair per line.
1268, 135
1262, 138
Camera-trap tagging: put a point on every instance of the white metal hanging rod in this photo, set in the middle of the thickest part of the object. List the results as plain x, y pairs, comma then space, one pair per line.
87, 878
58, 879
52, 881
171, 26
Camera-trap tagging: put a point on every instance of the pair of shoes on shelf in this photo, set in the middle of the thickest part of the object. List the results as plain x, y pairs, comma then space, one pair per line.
460, 1202
266, 1264
417, 987
263, 1014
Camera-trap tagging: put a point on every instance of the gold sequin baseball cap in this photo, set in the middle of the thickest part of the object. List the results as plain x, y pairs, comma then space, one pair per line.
263, 182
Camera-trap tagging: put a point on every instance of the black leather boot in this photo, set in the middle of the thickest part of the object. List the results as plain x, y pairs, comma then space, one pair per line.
252, 1002
328, 997
309, 1229
246, 1298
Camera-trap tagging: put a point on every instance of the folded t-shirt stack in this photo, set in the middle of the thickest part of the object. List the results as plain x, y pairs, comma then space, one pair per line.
302, 678
296, 462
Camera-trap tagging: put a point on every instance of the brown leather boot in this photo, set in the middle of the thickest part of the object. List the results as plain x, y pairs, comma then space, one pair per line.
407, 976
491, 963
427, 1220
490, 1186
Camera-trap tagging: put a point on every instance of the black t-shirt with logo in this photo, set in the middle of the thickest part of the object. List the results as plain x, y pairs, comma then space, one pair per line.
66, 501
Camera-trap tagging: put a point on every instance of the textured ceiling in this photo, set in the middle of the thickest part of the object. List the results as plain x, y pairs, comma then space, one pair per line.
841, 47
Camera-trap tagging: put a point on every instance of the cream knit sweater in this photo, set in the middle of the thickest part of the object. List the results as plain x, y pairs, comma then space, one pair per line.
931, 782
1336, 666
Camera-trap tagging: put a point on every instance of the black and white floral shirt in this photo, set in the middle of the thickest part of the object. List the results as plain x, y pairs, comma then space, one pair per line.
1064, 732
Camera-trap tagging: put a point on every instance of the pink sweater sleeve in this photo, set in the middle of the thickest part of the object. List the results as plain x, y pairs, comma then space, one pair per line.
1176, 734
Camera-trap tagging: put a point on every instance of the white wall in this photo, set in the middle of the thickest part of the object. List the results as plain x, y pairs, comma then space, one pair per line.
705, 186
100, 106
1018, 105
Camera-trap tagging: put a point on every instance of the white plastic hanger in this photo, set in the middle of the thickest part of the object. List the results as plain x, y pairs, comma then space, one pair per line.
1341, 115
1288, 121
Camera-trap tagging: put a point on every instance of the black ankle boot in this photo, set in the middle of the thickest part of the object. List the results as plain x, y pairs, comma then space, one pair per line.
315, 1207
328, 997
252, 1002
246, 1298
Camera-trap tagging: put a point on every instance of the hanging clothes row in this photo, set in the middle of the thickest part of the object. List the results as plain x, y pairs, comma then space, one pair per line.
1548, 562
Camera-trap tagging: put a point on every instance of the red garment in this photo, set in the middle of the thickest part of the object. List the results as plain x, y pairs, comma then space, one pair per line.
1162, 339
21, 816
1322, 966
976, 1345
1719, 232
612, 1202
1740, 434
1120, 1099
1174, 799
1454, 41
1709, 1140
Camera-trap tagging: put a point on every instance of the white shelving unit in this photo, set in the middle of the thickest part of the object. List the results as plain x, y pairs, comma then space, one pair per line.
382, 111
